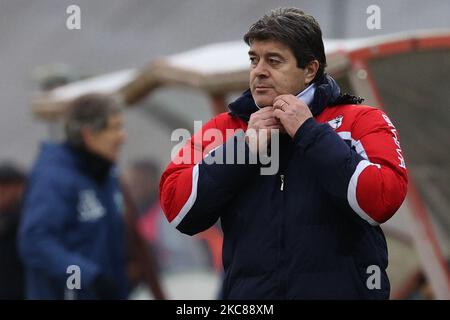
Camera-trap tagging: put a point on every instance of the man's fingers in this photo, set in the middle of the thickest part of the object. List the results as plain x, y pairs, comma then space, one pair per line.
269, 122
284, 103
278, 104
280, 114
264, 110
263, 114
288, 98
279, 100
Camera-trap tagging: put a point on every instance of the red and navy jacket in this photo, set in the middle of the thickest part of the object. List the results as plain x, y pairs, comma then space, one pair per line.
310, 231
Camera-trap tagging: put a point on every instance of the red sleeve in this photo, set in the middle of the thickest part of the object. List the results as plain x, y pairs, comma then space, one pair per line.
378, 186
180, 181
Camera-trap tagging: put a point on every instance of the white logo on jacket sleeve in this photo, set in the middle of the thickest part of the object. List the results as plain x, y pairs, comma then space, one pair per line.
89, 207
336, 122
402, 163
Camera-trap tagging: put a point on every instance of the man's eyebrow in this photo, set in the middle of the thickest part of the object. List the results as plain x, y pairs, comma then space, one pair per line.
268, 54
275, 54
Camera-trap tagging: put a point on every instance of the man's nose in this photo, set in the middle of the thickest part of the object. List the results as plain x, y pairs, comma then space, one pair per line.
123, 137
261, 69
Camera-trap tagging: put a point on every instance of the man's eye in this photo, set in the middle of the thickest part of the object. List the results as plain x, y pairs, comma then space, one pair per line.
253, 60
273, 61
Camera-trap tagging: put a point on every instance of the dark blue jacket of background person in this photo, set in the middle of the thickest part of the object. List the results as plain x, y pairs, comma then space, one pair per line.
72, 216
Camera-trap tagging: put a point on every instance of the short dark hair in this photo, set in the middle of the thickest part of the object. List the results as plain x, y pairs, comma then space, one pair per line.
297, 30
92, 111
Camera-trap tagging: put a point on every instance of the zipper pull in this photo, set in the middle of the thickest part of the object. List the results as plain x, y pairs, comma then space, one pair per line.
282, 182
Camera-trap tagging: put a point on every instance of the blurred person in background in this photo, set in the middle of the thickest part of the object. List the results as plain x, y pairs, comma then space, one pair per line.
142, 176
12, 184
143, 266
73, 209
175, 252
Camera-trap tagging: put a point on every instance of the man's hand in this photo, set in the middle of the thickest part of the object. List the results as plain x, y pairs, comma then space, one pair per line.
291, 112
261, 122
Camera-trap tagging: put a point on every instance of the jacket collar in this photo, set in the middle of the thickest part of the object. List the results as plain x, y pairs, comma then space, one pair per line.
91, 163
326, 93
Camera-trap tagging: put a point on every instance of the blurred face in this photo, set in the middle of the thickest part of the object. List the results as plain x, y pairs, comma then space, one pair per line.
10, 195
142, 185
108, 141
274, 71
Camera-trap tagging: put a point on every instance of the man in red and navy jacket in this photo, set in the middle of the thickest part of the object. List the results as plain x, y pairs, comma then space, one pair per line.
311, 229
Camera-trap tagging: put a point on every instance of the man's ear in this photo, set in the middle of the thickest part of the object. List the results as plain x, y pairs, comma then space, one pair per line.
86, 135
310, 71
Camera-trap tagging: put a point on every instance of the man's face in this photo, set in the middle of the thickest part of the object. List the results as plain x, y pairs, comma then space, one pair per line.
273, 71
108, 141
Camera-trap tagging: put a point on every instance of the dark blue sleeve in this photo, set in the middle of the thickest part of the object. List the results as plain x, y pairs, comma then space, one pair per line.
334, 160
46, 214
220, 175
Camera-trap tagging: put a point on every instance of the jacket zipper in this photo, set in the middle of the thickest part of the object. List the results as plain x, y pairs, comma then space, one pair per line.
282, 253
